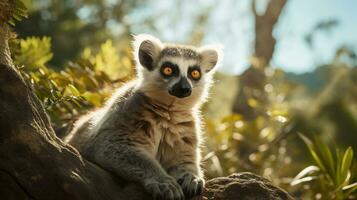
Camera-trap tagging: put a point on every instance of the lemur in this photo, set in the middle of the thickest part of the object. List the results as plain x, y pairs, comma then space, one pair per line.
149, 131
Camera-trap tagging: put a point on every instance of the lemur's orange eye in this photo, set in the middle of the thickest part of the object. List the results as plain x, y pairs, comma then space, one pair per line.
167, 71
195, 74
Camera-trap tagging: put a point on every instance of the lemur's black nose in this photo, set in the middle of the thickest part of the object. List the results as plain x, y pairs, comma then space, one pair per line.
184, 91
181, 89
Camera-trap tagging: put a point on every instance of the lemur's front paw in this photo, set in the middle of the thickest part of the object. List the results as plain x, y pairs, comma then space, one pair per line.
165, 188
190, 184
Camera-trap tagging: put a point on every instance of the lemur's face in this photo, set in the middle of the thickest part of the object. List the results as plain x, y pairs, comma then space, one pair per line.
174, 70
178, 73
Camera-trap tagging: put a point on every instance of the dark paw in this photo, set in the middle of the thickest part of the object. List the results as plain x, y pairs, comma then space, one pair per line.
164, 189
191, 185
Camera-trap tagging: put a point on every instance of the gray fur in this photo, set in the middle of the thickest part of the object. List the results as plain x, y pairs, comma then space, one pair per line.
180, 51
146, 135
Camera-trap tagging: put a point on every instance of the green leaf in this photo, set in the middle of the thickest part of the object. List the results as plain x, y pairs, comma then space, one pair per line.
11, 22
33, 52
339, 156
74, 90
346, 163
93, 98
54, 83
301, 177
326, 157
350, 186
349, 189
312, 151
19, 12
76, 102
303, 180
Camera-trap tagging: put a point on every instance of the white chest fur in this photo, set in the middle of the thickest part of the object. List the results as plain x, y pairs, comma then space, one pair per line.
169, 132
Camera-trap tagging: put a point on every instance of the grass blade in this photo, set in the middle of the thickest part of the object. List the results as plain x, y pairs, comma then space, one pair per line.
312, 151
302, 176
326, 157
346, 164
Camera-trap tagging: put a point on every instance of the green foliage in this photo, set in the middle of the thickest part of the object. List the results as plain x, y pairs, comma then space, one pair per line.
238, 144
108, 61
19, 13
11, 11
267, 144
67, 93
331, 173
75, 25
32, 52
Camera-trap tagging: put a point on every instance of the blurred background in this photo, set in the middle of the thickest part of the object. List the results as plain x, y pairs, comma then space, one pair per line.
284, 102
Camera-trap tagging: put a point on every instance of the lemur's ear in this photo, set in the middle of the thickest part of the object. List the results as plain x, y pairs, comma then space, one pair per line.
147, 49
212, 56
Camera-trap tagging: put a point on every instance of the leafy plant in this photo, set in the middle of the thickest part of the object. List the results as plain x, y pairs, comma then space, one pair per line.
12, 11
32, 52
260, 145
79, 86
19, 12
108, 61
331, 173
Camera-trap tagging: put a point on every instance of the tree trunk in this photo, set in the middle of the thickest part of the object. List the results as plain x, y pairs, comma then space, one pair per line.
264, 24
252, 81
34, 163
5, 33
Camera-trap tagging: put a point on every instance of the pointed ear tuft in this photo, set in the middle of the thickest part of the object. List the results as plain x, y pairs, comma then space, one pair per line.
212, 56
146, 50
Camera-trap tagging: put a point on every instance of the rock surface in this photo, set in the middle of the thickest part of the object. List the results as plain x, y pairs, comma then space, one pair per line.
243, 186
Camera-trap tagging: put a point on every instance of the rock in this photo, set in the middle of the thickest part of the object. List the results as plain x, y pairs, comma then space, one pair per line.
243, 186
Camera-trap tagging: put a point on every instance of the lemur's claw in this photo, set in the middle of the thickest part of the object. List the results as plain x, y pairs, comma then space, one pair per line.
191, 185
164, 189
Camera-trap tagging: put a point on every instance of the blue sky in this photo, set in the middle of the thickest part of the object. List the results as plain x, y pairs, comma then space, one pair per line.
231, 23
300, 16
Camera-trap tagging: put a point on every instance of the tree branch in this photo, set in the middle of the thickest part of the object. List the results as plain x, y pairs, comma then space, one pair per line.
5, 55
